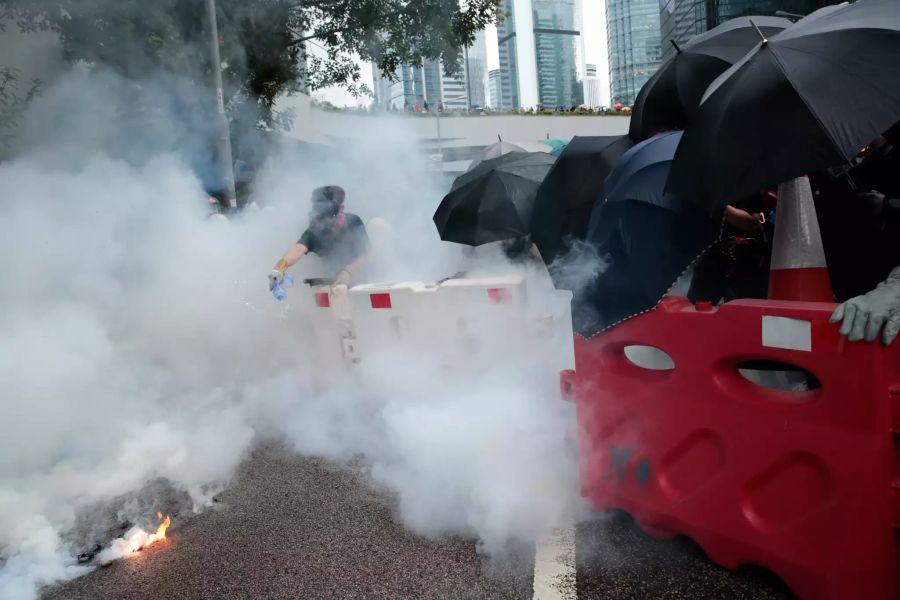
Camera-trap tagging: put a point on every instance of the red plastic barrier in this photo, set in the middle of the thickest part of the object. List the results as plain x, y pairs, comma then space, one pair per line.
804, 483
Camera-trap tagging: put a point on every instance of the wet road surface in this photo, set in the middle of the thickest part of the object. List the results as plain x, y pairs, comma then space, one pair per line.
295, 527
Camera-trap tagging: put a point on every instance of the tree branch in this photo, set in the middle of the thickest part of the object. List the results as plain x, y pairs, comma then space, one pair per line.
317, 35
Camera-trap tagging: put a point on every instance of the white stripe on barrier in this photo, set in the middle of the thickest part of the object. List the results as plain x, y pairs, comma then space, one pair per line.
786, 333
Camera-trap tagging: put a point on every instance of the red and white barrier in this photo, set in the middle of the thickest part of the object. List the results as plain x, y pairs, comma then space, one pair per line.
801, 479
333, 325
382, 313
462, 321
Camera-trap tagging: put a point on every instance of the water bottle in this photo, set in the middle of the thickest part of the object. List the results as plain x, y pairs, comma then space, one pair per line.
280, 289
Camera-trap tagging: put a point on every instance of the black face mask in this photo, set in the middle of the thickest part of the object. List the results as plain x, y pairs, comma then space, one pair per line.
324, 211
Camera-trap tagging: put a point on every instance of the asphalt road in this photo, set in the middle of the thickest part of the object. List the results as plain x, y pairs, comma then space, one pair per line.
618, 561
293, 527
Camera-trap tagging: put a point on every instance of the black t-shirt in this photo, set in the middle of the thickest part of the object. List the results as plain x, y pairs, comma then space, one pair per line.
337, 246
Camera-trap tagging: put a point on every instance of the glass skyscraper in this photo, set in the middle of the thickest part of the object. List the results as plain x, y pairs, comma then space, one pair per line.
680, 20
632, 28
508, 56
556, 37
539, 44
476, 71
494, 84
428, 85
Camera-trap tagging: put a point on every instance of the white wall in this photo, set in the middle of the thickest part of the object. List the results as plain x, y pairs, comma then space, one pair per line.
316, 126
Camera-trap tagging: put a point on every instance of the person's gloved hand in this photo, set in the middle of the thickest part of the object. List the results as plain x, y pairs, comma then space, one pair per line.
276, 277
864, 316
343, 278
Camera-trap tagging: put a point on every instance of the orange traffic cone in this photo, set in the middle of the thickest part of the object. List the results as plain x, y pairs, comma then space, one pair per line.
798, 270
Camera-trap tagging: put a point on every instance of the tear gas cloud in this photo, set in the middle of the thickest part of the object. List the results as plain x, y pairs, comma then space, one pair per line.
142, 355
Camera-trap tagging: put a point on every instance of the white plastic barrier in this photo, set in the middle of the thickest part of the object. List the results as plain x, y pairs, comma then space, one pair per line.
464, 322
333, 323
382, 314
475, 321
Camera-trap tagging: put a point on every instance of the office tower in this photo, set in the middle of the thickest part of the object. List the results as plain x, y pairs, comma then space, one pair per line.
494, 84
541, 54
476, 71
680, 20
591, 86
632, 28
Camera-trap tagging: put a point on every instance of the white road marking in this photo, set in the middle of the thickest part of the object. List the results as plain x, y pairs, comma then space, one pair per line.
554, 565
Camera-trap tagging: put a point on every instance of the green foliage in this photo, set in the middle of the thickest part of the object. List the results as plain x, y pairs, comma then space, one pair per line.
263, 42
14, 97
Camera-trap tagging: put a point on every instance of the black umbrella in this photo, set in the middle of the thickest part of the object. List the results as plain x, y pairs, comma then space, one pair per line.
567, 195
493, 201
807, 99
672, 95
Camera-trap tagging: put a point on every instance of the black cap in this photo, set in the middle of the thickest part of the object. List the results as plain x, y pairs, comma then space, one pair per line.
330, 193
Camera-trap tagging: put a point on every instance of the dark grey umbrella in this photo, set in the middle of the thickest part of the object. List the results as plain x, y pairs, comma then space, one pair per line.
566, 197
641, 173
646, 236
806, 99
670, 98
493, 201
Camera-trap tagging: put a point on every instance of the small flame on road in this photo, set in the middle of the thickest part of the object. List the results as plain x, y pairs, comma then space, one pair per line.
134, 540
160, 531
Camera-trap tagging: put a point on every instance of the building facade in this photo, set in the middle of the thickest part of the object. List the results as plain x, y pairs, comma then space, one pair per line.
541, 54
632, 29
591, 87
508, 53
476, 71
430, 88
494, 87
680, 20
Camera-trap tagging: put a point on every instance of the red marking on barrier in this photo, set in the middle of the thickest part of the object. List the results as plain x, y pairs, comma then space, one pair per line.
499, 295
382, 300
567, 385
322, 300
808, 490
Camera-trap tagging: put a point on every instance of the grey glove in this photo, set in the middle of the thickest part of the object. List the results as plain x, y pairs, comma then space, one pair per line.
864, 316
276, 277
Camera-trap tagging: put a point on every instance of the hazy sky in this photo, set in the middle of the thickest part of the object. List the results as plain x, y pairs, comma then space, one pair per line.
594, 16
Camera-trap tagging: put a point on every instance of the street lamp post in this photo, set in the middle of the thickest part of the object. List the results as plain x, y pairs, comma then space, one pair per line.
437, 114
224, 138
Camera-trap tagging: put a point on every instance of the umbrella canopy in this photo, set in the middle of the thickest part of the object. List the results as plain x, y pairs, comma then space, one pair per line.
672, 95
642, 171
807, 99
493, 151
493, 201
646, 249
556, 146
566, 197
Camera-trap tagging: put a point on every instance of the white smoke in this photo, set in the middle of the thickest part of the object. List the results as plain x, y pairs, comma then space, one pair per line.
139, 343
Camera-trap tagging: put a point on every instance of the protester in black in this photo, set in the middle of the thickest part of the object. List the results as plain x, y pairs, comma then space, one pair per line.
737, 265
338, 238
